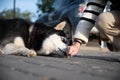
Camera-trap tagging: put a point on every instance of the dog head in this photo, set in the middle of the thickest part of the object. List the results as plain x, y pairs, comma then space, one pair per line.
47, 40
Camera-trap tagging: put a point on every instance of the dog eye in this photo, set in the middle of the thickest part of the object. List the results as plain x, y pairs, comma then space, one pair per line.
64, 39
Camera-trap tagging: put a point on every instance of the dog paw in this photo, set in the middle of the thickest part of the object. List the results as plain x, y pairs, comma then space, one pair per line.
27, 52
31, 53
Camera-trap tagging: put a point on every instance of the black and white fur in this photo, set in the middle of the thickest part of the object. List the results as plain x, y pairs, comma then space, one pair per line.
14, 35
47, 40
44, 40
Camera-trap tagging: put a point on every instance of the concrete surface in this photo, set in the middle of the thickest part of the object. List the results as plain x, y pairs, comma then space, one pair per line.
91, 63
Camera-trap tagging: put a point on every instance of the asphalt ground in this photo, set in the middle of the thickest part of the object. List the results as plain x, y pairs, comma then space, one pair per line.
91, 63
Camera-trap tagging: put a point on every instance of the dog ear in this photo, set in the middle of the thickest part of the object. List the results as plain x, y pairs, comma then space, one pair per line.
60, 26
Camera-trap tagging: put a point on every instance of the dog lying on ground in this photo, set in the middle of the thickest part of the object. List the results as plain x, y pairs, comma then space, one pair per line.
14, 35
44, 40
48, 40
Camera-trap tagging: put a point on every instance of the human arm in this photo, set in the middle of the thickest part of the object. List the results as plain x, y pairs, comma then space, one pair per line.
87, 21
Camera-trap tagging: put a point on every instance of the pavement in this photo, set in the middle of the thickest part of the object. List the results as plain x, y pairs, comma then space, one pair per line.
91, 63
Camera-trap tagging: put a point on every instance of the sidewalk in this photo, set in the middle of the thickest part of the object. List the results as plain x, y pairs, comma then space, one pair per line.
94, 49
94, 46
91, 63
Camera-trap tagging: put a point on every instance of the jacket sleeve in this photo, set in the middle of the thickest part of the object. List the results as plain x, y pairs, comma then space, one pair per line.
93, 9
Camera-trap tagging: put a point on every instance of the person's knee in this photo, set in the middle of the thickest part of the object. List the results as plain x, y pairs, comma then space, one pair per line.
102, 21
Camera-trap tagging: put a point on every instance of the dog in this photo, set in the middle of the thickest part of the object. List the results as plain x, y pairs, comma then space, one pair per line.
49, 41
14, 36
17, 37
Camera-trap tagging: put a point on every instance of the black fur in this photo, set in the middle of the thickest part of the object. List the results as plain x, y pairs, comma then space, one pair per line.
11, 28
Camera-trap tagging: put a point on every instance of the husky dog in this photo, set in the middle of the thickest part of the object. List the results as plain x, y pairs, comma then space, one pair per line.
17, 37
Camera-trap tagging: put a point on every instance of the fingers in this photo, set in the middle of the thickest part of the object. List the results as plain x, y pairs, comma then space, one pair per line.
69, 51
73, 49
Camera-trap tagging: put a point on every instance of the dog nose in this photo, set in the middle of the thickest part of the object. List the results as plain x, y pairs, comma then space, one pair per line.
63, 52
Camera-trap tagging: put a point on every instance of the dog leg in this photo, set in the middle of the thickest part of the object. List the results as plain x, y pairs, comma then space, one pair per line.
23, 50
9, 48
27, 52
18, 50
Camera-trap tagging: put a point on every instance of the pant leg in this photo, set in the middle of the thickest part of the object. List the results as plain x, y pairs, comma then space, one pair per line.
108, 24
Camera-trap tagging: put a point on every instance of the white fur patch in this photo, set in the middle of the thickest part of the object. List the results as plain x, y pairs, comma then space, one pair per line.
10, 48
15, 49
51, 44
18, 47
19, 41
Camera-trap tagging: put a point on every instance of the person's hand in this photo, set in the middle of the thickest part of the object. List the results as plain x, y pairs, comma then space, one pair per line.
73, 49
